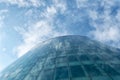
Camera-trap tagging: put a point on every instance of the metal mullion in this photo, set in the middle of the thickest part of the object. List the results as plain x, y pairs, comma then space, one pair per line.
33, 67
42, 66
68, 66
81, 63
28, 72
55, 67
101, 70
107, 73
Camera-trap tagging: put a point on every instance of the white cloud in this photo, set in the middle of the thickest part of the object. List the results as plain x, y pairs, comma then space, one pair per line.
29, 13
60, 5
118, 16
36, 33
3, 49
93, 15
1, 68
106, 26
81, 3
3, 11
107, 34
41, 30
2, 16
107, 30
50, 12
23, 3
36, 3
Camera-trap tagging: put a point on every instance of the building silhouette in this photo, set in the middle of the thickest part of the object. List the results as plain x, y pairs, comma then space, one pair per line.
70, 57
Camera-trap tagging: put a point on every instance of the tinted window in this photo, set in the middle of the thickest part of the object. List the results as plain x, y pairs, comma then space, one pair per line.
72, 58
61, 73
72, 51
46, 75
92, 70
60, 53
77, 71
50, 63
95, 58
61, 60
83, 58
109, 69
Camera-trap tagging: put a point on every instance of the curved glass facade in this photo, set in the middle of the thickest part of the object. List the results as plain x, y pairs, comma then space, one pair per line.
66, 58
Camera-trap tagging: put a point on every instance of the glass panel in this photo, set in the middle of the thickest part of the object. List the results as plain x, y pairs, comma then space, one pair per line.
47, 75
61, 60
60, 53
77, 71
36, 69
109, 70
52, 55
92, 70
118, 57
95, 58
101, 78
108, 58
50, 63
72, 51
61, 73
72, 58
84, 57
116, 67
24, 71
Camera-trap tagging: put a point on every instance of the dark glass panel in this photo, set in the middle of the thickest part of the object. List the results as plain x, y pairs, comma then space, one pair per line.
116, 66
60, 53
72, 58
61, 60
109, 70
47, 75
92, 70
77, 71
61, 73
84, 57
52, 55
50, 63
72, 51
95, 58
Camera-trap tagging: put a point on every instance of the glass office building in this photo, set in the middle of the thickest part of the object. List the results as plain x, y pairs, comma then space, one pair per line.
66, 58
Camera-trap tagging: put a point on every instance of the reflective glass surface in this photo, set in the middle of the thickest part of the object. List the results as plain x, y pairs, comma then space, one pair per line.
66, 58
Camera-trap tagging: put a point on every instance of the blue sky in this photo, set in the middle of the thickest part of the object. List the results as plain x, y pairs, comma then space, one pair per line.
25, 23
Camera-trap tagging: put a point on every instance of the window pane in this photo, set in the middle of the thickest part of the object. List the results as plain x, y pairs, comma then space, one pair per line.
83, 57
47, 75
50, 63
72, 58
72, 51
109, 69
95, 58
116, 67
52, 55
77, 71
92, 70
60, 53
61, 60
61, 73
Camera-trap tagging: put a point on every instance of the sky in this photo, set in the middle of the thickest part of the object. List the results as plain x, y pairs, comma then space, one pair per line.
25, 23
